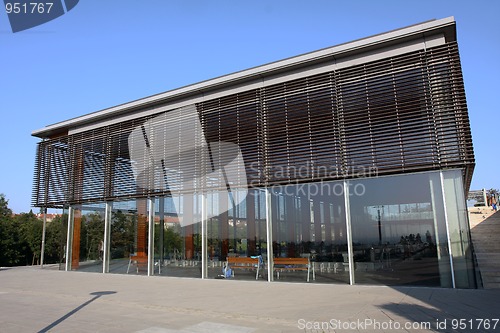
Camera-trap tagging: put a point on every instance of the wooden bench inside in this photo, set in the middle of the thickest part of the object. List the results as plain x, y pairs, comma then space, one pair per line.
140, 261
252, 263
293, 264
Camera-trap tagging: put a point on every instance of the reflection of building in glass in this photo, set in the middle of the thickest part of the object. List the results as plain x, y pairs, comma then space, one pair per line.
349, 164
477, 198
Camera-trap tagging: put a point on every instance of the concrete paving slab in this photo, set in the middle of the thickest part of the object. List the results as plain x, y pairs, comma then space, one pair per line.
42, 300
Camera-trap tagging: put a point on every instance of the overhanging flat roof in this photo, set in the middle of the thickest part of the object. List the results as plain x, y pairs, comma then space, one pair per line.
445, 26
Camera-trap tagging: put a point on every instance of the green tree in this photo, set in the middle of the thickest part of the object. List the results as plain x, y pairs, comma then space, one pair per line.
12, 246
4, 207
122, 235
30, 228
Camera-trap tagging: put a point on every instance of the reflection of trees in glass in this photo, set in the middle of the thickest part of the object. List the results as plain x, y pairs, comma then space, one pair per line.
55, 240
122, 234
172, 242
197, 244
92, 234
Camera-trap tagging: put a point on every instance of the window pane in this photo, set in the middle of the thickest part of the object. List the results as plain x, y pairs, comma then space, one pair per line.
399, 231
309, 225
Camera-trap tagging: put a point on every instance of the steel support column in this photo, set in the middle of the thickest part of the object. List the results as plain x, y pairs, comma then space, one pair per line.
447, 231
349, 232
107, 238
69, 238
204, 262
42, 251
269, 233
151, 236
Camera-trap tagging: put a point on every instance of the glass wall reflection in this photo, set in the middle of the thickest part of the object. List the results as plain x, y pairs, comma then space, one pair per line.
399, 231
88, 238
398, 224
309, 233
129, 237
57, 231
177, 236
236, 235
456, 209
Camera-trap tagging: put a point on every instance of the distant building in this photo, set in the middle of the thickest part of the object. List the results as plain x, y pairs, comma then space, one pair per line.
354, 161
478, 197
50, 217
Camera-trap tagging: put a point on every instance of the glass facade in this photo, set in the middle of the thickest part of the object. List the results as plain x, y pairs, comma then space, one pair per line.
399, 231
128, 234
87, 243
309, 221
393, 230
236, 230
177, 248
458, 229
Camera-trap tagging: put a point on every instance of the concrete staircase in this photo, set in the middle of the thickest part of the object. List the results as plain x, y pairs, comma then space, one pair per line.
485, 231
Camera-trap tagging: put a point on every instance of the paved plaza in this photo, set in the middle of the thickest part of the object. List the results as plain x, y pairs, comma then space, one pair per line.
48, 300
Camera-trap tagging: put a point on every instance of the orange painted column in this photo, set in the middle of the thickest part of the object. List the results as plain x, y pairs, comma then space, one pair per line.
75, 248
189, 242
189, 229
142, 228
78, 194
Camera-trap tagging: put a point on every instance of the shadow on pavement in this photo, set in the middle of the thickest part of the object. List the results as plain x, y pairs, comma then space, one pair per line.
96, 294
448, 310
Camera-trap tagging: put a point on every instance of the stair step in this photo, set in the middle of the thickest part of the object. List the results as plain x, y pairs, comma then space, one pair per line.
485, 238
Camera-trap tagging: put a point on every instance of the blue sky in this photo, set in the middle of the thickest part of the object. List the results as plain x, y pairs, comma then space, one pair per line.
104, 53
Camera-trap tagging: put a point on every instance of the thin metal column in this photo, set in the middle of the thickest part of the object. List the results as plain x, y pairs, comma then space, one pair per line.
161, 246
269, 233
107, 237
46, 194
69, 238
204, 262
42, 252
347, 208
151, 236
447, 231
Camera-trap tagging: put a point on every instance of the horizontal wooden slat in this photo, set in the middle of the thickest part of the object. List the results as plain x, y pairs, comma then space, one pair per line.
401, 114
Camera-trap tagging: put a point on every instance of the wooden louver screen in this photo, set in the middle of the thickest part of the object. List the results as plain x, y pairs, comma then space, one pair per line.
401, 114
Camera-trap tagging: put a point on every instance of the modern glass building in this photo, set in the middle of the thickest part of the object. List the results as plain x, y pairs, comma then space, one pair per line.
346, 165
